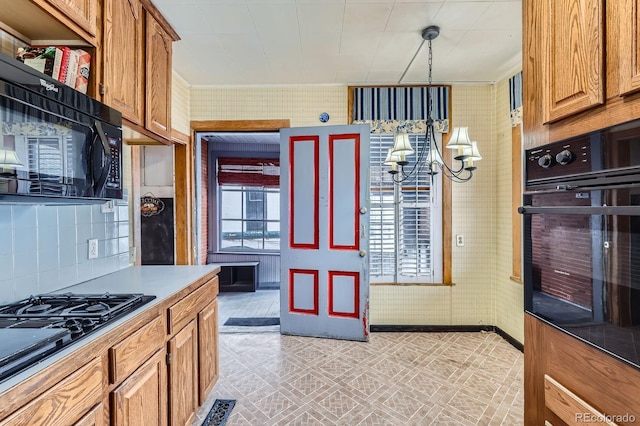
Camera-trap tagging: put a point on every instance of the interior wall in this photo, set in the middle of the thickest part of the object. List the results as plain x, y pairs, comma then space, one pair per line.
509, 294
472, 300
301, 104
180, 104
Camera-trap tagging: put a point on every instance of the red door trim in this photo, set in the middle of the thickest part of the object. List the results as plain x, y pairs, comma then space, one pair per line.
356, 169
316, 187
356, 294
315, 309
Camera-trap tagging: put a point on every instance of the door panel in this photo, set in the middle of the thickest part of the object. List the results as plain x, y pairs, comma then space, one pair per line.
324, 210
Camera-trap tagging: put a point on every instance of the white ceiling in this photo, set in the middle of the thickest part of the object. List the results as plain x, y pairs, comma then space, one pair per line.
262, 42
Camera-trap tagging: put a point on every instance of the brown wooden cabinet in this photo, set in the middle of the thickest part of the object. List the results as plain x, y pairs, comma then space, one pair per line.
629, 47
158, 78
577, 76
82, 12
141, 398
65, 402
123, 58
95, 417
183, 375
154, 369
208, 349
193, 351
573, 51
566, 378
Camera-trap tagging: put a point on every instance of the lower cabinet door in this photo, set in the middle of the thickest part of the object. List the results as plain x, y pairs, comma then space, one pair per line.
140, 399
208, 348
183, 375
95, 417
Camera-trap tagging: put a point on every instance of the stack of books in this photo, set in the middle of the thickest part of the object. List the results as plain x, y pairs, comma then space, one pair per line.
70, 66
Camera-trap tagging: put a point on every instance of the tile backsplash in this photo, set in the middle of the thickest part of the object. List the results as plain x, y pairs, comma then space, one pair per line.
46, 248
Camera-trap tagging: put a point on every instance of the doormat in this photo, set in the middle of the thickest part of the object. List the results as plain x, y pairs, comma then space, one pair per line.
219, 413
253, 321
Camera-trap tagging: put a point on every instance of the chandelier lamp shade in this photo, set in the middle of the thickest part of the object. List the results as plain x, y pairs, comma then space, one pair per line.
9, 159
466, 153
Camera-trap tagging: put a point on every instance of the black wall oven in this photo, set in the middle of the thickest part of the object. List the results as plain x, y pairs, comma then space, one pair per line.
57, 144
582, 238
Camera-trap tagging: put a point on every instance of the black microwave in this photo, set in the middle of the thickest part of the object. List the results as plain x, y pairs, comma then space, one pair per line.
57, 144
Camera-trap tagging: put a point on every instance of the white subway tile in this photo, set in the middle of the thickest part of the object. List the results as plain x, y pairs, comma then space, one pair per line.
111, 230
82, 253
25, 241
85, 271
6, 239
83, 214
97, 230
47, 216
26, 286
48, 239
67, 253
123, 245
67, 236
49, 281
25, 263
111, 247
5, 215
83, 233
7, 291
67, 216
6, 267
68, 275
48, 259
123, 229
24, 216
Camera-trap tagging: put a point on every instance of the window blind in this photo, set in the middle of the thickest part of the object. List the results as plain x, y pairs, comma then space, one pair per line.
401, 238
258, 172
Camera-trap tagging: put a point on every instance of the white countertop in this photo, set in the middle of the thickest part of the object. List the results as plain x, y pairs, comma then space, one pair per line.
162, 281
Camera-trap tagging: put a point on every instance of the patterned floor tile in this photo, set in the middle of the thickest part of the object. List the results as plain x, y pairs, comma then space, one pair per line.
414, 379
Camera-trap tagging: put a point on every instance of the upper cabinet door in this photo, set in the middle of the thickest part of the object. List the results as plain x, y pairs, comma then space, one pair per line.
629, 47
158, 79
82, 12
574, 76
124, 58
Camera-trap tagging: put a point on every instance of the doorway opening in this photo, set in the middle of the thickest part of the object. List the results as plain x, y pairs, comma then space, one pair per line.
237, 217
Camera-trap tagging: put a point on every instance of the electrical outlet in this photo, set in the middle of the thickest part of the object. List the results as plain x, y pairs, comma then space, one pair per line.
93, 248
460, 240
132, 254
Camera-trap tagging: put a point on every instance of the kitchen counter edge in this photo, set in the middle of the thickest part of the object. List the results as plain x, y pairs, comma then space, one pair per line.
162, 281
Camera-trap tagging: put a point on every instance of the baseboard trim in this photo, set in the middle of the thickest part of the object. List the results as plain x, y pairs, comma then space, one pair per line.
380, 328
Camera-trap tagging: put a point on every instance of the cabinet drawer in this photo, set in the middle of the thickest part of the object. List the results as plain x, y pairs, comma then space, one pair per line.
186, 309
129, 354
65, 402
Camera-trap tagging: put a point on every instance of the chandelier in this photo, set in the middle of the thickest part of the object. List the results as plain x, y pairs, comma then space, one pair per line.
466, 151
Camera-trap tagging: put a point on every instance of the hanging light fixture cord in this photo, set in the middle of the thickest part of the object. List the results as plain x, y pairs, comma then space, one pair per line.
434, 161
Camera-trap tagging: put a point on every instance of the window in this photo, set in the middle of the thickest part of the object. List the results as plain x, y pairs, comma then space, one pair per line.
249, 205
405, 220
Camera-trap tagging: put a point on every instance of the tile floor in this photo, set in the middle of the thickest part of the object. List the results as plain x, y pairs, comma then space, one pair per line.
394, 379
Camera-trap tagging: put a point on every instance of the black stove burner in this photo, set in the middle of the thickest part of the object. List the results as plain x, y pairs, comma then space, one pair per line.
97, 308
37, 308
74, 314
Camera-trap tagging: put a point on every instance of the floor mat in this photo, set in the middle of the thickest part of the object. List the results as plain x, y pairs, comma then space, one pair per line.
253, 321
219, 413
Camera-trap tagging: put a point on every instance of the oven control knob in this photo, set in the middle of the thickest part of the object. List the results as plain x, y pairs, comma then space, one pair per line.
564, 157
545, 161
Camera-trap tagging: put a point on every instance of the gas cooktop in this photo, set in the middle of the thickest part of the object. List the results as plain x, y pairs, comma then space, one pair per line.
35, 328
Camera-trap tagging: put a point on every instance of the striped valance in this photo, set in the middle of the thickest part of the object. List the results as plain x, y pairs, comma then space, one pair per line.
400, 103
515, 99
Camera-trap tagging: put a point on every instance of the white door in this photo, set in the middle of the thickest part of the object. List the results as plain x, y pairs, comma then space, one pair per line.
324, 225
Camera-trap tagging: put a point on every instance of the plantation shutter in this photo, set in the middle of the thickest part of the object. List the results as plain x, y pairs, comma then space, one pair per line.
258, 172
401, 237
